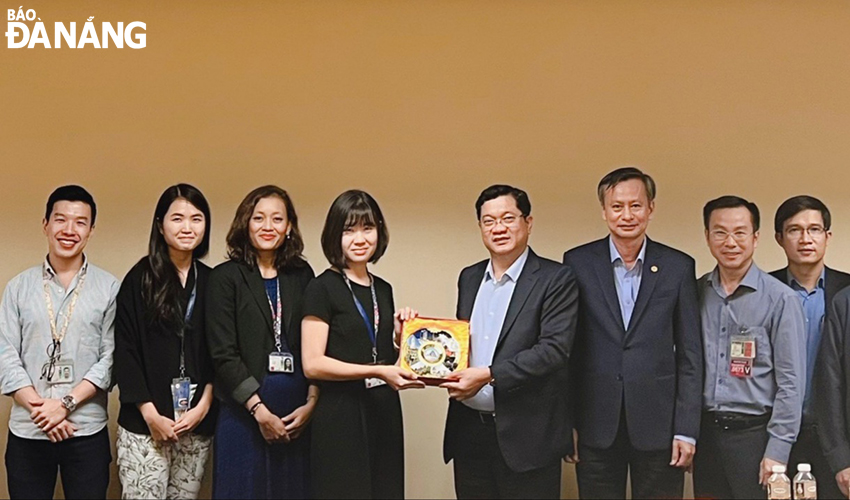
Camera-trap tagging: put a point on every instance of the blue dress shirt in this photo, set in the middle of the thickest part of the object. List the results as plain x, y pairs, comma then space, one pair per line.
485, 325
814, 310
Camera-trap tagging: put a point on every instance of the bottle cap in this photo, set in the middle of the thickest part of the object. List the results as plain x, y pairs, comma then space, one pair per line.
804, 468
778, 469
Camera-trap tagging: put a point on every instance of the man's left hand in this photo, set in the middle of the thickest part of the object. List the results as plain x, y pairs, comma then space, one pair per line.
466, 383
767, 469
48, 413
683, 454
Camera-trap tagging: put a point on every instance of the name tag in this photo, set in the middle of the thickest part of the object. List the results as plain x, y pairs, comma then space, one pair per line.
281, 362
742, 352
371, 383
63, 373
180, 395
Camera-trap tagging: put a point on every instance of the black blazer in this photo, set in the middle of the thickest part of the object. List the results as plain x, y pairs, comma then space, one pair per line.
655, 367
529, 365
146, 358
239, 325
832, 383
834, 281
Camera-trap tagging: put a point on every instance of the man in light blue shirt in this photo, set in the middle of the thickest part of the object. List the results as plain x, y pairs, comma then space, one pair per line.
56, 345
509, 422
802, 227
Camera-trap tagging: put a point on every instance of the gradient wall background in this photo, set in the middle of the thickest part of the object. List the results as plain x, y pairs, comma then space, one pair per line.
424, 104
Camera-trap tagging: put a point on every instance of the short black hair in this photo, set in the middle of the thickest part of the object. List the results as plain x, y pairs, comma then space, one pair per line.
730, 201
497, 190
621, 175
71, 193
795, 205
349, 209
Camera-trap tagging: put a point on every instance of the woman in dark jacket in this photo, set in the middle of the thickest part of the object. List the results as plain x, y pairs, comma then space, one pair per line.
254, 320
162, 366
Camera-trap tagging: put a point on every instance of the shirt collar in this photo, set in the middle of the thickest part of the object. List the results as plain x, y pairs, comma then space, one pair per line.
615, 254
796, 284
513, 272
49, 273
751, 279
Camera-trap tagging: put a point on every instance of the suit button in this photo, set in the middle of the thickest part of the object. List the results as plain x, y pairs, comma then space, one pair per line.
619, 378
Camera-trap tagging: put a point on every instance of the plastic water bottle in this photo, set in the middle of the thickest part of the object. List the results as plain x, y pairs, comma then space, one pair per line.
778, 485
805, 486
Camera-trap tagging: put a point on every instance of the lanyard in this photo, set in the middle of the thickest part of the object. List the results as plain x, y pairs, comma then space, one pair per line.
189, 309
59, 336
277, 311
371, 328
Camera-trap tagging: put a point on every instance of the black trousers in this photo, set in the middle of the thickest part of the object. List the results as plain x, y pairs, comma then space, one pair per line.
602, 472
32, 464
729, 454
481, 471
808, 450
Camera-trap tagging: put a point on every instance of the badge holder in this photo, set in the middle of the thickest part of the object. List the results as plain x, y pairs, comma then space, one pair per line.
281, 362
63, 373
181, 389
742, 353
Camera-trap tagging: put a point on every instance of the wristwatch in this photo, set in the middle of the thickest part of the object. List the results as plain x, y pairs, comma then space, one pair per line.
70, 403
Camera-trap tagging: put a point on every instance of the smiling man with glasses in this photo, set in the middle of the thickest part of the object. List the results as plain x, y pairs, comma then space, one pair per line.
802, 229
754, 343
508, 423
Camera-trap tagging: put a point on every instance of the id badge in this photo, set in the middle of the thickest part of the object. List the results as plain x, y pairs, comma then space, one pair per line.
63, 373
742, 347
281, 362
742, 352
180, 395
371, 383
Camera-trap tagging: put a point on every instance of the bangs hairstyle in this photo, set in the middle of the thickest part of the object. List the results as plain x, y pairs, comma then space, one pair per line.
160, 283
239, 247
348, 210
797, 204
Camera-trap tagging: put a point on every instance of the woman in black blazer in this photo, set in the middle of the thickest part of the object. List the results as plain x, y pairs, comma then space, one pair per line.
253, 321
164, 442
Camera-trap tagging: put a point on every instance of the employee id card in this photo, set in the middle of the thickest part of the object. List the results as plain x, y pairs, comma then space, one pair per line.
63, 373
742, 352
181, 395
281, 362
371, 383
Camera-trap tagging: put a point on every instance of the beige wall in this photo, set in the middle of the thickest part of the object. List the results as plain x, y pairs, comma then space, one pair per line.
424, 104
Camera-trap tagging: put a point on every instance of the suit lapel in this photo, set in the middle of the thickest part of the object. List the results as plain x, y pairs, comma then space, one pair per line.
524, 285
831, 286
605, 274
649, 277
469, 290
258, 290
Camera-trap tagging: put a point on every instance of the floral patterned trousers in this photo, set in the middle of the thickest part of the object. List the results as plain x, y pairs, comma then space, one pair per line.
148, 469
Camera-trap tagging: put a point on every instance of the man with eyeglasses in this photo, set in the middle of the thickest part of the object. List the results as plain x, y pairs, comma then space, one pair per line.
754, 342
638, 359
56, 344
508, 422
802, 226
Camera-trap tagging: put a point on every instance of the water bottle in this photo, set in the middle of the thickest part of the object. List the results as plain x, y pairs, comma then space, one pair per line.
805, 486
778, 485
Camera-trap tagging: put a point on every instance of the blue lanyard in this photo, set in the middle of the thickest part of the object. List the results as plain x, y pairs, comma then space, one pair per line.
189, 309
372, 329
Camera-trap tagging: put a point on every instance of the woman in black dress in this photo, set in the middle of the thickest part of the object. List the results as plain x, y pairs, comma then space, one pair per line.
253, 323
349, 344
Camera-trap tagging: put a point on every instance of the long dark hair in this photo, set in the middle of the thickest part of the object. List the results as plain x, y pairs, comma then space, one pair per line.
160, 283
239, 247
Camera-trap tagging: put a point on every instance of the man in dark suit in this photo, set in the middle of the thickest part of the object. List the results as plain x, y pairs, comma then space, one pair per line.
508, 422
638, 360
802, 229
